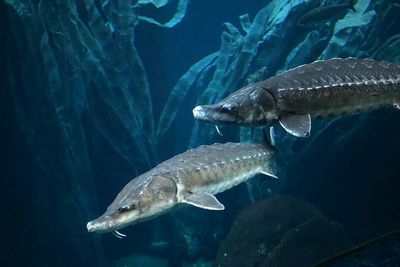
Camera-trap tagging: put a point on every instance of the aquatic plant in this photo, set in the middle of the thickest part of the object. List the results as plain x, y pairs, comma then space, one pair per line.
80, 89
81, 83
280, 231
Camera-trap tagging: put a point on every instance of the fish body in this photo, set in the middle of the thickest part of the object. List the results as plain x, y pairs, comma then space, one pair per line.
193, 177
325, 13
322, 89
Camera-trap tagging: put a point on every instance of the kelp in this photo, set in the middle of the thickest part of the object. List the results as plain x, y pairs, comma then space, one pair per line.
179, 92
81, 70
84, 81
156, 3
74, 154
178, 16
245, 22
42, 96
350, 32
390, 49
302, 53
110, 78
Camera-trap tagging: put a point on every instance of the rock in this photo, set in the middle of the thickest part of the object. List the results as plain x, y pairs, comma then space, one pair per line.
308, 244
267, 230
199, 263
139, 260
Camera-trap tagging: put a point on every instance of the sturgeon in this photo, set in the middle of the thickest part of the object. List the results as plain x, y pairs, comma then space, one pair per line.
193, 178
325, 13
321, 89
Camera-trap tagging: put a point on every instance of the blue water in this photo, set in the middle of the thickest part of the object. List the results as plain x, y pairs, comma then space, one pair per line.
88, 103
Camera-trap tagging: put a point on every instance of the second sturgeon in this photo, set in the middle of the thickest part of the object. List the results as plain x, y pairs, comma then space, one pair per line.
321, 89
193, 178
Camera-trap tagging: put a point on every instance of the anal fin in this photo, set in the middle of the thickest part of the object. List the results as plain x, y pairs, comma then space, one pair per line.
297, 125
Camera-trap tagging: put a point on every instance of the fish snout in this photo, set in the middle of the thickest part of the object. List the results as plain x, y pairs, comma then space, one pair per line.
214, 114
199, 112
91, 227
100, 225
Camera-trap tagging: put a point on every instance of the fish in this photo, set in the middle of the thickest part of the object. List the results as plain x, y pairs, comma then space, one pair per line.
325, 13
191, 178
322, 89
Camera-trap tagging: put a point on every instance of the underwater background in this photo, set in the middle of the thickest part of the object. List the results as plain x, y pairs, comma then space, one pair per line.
94, 93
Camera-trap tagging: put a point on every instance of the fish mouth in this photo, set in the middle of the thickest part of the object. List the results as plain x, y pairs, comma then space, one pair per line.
213, 114
103, 224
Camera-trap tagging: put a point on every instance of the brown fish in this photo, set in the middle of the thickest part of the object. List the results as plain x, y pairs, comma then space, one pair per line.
325, 13
193, 178
321, 89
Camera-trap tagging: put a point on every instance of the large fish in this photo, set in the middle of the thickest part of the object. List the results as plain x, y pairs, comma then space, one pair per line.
325, 13
193, 178
320, 89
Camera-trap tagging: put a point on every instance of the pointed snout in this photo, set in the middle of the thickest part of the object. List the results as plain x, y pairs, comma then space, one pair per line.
101, 225
213, 114
199, 112
92, 226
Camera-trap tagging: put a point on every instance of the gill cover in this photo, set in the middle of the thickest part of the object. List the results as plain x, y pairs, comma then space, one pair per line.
258, 108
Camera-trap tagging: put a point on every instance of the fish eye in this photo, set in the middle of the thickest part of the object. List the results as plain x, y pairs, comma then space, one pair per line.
125, 208
229, 108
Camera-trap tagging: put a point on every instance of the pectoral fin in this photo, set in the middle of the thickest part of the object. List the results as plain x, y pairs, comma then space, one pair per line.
297, 125
204, 201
